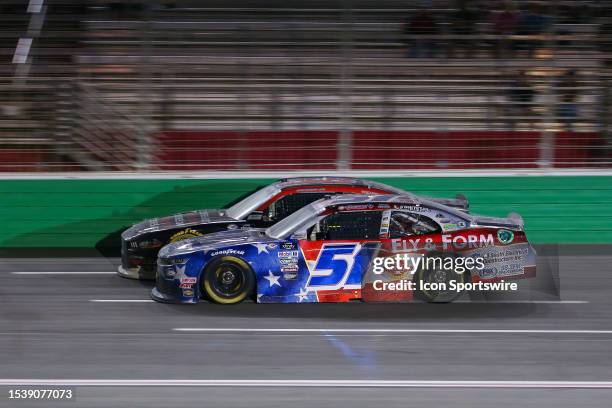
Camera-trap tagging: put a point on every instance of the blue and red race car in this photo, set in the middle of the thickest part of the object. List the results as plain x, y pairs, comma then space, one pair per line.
327, 252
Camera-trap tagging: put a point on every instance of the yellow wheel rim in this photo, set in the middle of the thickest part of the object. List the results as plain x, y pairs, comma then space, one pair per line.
211, 292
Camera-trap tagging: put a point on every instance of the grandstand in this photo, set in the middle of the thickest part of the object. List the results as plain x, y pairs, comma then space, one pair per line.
290, 85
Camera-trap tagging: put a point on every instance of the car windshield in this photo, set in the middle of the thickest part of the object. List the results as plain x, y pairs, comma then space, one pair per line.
296, 220
244, 207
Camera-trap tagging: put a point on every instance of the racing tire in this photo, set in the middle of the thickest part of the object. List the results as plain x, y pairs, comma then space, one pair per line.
435, 275
227, 280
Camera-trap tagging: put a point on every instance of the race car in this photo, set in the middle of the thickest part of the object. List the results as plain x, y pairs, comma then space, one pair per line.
141, 243
325, 252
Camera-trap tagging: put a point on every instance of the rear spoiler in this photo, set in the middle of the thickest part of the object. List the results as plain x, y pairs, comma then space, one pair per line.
512, 220
459, 202
516, 217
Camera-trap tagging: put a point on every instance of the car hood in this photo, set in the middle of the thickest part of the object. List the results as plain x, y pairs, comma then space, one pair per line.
217, 240
181, 220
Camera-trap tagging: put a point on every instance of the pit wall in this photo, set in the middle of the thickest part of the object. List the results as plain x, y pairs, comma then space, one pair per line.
54, 213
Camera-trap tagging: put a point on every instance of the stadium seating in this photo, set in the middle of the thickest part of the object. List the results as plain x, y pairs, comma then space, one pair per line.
124, 80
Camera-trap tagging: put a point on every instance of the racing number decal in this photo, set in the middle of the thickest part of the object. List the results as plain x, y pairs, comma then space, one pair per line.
333, 268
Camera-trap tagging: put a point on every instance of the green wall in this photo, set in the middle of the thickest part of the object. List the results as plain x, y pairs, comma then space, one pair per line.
79, 213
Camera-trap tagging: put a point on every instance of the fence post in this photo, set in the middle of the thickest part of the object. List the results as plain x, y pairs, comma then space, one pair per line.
144, 117
345, 135
546, 157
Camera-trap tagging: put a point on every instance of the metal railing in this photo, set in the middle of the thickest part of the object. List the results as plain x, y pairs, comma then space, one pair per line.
127, 83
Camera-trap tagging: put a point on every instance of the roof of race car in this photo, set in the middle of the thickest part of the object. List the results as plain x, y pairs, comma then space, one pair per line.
244, 207
314, 209
406, 198
513, 220
323, 180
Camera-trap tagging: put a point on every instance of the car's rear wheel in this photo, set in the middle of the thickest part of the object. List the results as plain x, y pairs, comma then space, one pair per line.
228, 280
434, 283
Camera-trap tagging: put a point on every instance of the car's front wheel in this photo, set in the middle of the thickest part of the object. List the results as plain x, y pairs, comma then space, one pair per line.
227, 280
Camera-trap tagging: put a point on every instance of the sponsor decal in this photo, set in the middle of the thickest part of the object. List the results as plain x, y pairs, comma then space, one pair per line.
186, 285
414, 208
505, 236
457, 242
149, 244
510, 269
272, 246
288, 245
290, 275
450, 226
453, 225
187, 292
227, 252
185, 234
488, 273
288, 260
384, 225
352, 207
232, 227
508, 255
467, 241
189, 280
154, 222
178, 218
289, 268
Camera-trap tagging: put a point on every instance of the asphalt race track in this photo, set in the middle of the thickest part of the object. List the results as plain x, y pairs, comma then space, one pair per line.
87, 324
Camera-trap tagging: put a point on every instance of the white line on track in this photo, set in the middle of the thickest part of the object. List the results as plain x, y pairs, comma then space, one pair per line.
121, 300
553, 302
547, 302
64, 273
385, 331
308, 383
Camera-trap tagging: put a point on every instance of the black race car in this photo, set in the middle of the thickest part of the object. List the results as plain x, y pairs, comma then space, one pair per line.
141, 243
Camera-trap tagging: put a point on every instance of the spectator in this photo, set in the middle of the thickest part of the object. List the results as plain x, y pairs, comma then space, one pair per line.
420, 29
567, 109
533, 22
463, 24
520, 100
604, 31
504, 26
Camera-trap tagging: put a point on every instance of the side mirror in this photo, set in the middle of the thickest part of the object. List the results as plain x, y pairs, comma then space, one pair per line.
255, 216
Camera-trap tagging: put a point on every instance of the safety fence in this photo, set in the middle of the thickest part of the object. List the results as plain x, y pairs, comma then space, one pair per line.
393, 84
